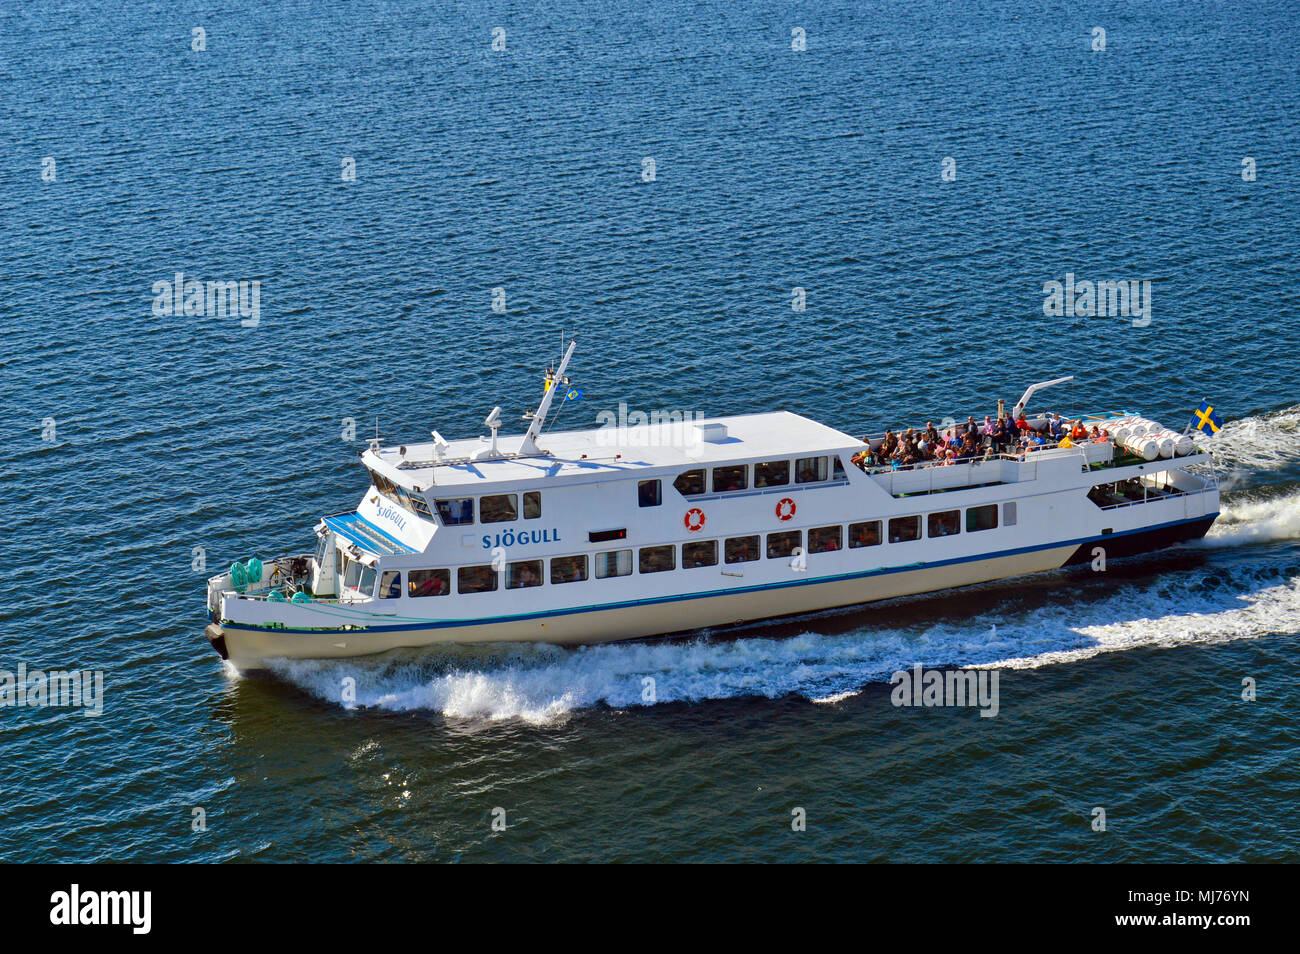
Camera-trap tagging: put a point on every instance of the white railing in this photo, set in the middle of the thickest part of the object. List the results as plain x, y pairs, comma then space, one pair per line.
1169, 495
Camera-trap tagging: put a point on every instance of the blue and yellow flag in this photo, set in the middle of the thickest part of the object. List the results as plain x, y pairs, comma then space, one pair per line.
573, 394
1206, 419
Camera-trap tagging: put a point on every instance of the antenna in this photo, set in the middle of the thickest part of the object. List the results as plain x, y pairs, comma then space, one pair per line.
529, 444
493, 421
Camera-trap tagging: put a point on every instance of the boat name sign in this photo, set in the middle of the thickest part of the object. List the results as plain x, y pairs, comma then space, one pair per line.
509, 538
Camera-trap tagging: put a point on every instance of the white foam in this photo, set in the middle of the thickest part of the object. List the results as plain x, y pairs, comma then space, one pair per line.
1255, 520
835, 697
542, 684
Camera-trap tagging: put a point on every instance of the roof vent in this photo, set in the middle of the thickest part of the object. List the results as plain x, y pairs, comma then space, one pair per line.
710, 433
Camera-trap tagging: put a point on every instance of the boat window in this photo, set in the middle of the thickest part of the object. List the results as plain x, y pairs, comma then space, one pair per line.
428, 582
360, 578
864, 534
476, 579
498, 508
699, 553
522, 574
421, 506
649, 493
657, 559
903, 529
944, 523
837, 469
367, 584
569, 569
808, 470
740, 549
982, 518
730, 478
1009, 514
456, 510
825, 539
390, 585
532, 505
613, 563
321, 548
403, 497
772, 473
382, 483
690, 483
783, 544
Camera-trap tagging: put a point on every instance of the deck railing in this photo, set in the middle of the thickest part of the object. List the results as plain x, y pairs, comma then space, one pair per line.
1164, 495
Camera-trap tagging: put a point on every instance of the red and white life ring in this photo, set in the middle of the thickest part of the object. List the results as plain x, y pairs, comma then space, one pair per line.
785, 509
694, 519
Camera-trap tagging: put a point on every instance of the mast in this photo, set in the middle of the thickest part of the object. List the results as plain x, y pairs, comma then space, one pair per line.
1034, 388
529, 446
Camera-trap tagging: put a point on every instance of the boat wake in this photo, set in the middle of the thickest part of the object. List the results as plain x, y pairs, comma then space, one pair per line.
541, 684
1255, 518
1255, 445
1218, 593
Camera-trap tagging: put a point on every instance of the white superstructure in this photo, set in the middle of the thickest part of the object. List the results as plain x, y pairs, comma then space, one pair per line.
625, 531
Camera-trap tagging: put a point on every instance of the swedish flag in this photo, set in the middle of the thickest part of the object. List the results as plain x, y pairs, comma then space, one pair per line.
1206, 419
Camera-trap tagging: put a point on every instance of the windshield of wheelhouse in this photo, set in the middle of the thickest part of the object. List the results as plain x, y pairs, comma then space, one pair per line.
358, 577
406, 499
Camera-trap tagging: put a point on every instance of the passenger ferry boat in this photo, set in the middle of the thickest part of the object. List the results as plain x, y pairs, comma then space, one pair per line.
673, 526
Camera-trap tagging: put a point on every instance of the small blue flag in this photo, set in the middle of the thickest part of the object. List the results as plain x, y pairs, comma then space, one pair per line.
573, 394
1206, 419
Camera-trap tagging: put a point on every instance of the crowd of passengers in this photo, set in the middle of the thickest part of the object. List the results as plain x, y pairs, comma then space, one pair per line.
975, 441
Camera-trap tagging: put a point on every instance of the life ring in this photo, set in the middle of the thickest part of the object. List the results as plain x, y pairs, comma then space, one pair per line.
694, 519
785, 509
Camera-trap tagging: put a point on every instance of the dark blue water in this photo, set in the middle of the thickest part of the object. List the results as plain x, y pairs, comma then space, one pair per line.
134, 438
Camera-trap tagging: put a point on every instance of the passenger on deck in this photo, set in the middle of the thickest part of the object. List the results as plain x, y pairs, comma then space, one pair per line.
1056, 426
1022, 424
1078, 432
1001, 435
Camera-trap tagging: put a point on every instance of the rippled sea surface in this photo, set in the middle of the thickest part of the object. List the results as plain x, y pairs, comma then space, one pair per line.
133, 438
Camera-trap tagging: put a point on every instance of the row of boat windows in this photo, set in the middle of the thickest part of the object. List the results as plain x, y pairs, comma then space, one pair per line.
732, 477
492, 508
698, 553
503, 508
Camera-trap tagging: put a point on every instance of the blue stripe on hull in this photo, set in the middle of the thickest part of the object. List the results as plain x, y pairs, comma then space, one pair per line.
863, 574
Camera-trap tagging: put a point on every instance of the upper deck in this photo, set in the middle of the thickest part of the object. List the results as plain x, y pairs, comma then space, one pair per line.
471, 466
